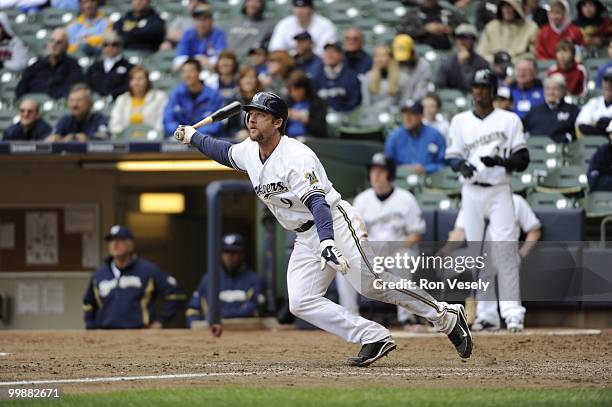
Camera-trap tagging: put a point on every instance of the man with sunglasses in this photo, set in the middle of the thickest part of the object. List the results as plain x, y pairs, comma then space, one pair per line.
31, 126
109, 76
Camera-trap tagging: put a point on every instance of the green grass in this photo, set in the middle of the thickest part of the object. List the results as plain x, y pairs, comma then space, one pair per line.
278, 396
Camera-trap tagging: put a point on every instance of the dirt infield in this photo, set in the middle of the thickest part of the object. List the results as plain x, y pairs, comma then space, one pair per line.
299, 358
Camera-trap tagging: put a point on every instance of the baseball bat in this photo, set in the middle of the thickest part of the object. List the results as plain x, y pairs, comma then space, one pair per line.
225, 112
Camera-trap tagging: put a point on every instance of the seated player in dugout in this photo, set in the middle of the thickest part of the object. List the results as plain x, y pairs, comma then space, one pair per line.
123, 291
240, 288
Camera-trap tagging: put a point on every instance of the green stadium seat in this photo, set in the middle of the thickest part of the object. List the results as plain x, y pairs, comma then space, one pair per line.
565, 180
161, 61
544, 143
523, 181
135, 57
548, 200
580, 151
598, 204
166, 83
445, 180
408, 179
140, 132
435, 200
540, 160
52, 18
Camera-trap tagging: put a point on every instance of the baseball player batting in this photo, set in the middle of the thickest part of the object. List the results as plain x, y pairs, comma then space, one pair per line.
485, 145
291, 181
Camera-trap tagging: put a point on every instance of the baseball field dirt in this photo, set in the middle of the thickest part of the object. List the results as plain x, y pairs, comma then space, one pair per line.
299, 358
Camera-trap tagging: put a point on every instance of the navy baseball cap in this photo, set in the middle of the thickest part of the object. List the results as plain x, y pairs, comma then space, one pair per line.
502, 58
233, 242
303, 3
119, 232
303, 36
413, 106
337, 45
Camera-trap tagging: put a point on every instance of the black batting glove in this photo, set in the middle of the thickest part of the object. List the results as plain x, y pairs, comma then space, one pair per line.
467, 170
493, 161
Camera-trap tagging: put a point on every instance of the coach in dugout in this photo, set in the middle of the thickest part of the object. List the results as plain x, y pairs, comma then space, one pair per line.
240, 288
123, 291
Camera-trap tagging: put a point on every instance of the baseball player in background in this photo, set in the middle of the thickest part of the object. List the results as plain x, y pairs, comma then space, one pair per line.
487, 317
485, 146
291, 181
391, 214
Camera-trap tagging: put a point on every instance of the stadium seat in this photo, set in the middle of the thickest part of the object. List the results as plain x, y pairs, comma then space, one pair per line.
545, 144
52, 18
598, 204
523, 181
579, 152
408, 179
566, 180
7, 118
548, 200
445, 180
540, 160
435, 200
366, 123
166, 83
161, 61
140, 132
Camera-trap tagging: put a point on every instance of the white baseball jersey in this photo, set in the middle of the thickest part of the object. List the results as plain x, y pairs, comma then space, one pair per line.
391, 220
594, 110
498, 134
524, 215
291, 175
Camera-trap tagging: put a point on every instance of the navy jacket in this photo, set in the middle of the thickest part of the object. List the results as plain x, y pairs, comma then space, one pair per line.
113, 82
128, 302
557, 123
96, 126
600, 169
359, 61
55, 81
241, 296
145, 32
309, 65
343, 93
183, 109
38, 131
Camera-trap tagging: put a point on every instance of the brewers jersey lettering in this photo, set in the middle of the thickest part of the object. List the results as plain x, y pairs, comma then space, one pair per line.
290, 176
498, 134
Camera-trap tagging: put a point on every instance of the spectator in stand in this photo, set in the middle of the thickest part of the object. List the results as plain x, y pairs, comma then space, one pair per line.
305, 58
304, 18
432, 116
416, 69
414, 144
81, 124
602, 69
335, 82
54, 74
251, 27
279, 65
123, 291
191, 101
536, 12
599, 172
141, 104
559, 27
307, 111
241, 290
355, 56
575, 74
248, 86
503, 99
13, 52
457, 71
142, 28
204, 42
177, 27
31, 127
527, 90
595, 115
383, 87
257, 59
85, 32
510, 32
502, 67
432, 24
595, 23
109, 76
225, 78
554, 118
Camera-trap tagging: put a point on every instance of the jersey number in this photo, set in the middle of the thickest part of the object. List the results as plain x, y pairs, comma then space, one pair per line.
287, 202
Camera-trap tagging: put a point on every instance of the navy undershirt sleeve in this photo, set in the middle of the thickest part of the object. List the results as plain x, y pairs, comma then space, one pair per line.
322, 216
218, 150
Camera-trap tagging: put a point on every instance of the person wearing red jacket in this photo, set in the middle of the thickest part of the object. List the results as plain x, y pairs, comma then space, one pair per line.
560, 27
575, 74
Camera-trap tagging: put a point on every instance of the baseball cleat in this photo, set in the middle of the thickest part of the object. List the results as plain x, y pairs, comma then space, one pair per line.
461, 336
371, 352
514, 325
484, 325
